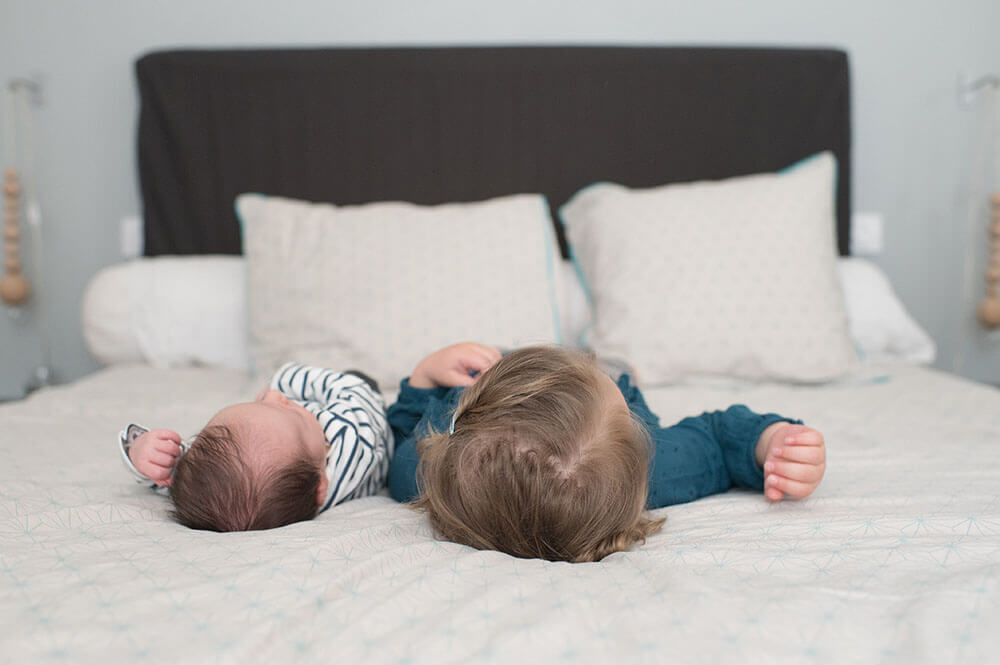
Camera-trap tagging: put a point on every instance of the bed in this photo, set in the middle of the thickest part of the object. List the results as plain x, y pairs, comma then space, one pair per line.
895, 558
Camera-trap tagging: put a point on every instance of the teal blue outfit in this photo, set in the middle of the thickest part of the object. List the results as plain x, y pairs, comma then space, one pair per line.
698, 456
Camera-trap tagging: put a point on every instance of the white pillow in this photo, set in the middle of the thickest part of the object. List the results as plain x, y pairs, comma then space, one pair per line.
168, 311
120, 308
731, 278
378, 286
882, 329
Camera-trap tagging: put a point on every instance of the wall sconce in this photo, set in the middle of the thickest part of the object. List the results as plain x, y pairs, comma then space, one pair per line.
970, 87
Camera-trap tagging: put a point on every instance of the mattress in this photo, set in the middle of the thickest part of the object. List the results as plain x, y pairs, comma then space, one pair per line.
895, 558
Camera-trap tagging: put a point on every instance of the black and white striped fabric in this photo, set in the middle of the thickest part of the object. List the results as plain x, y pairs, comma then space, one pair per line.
352, 414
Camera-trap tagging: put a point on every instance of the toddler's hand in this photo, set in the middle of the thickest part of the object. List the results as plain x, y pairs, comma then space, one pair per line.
154, 454
455, 365
794, 462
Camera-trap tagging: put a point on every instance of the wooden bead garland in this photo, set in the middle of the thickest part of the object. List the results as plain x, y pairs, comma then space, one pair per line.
14, 287
989, 308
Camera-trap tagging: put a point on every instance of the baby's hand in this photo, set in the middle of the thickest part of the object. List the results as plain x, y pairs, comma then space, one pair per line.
455, 365
795, 461
154, 454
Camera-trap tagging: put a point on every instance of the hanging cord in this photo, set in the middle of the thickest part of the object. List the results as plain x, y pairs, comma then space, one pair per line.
25, 93
15, 289
985, 150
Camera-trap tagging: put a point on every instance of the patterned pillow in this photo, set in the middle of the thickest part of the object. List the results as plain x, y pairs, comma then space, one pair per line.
378, 286
731, 278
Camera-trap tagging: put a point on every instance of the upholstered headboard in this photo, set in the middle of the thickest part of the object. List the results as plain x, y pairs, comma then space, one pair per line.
459, 124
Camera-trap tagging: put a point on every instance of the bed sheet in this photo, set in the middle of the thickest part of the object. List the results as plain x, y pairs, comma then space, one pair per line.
896, 558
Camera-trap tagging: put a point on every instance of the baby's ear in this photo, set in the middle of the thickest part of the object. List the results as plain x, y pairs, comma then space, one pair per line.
324, 483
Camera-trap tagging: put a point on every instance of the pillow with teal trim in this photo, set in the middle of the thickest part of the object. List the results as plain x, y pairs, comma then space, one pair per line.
376, 287
731, 278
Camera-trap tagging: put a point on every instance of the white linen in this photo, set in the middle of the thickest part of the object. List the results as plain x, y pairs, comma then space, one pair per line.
882, 330
375, 286
124, 306
733, 277
895, 559
169, 311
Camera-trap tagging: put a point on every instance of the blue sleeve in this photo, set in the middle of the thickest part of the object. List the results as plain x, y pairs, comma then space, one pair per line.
410, 407
702, 455
415, 412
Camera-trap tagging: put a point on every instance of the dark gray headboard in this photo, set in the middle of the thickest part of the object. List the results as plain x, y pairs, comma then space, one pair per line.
459, 124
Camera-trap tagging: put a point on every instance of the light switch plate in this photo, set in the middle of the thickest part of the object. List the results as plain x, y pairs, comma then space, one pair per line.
867, 233
131, 236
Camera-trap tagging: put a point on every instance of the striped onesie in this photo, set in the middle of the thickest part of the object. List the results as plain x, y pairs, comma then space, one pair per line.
352, 414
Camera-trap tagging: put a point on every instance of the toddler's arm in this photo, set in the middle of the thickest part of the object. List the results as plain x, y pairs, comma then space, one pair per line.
427, 399
715, 451
416, 410
455, 366
707, 454
411, 406
150, 455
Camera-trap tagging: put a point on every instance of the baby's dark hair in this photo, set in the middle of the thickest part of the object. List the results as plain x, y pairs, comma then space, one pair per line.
540, 464
215, 489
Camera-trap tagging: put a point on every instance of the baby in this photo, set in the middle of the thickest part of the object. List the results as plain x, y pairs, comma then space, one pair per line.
540, 454
313, 439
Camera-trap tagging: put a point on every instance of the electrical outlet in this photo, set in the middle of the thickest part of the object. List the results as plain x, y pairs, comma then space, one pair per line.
867, 233
130, 236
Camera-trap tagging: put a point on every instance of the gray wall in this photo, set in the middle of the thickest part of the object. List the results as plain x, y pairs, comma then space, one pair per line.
914, 146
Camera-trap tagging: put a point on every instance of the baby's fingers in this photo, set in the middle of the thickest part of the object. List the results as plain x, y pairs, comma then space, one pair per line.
807, 473
162, 459
787, 486
165, 434
162, 479
459, 378
168, 448
159, 474
773, 493
815, 455
804, 437
492, 353
477, 360
481, 357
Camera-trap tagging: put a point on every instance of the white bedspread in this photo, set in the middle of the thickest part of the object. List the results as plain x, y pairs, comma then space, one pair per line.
895, 559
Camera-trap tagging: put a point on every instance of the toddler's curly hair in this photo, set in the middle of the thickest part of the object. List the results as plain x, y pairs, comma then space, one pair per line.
541, 464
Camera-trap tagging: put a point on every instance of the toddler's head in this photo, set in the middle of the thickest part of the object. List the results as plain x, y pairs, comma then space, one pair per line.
545, 461
255, 465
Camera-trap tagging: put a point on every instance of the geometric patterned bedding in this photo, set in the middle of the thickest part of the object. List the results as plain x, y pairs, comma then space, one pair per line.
894, 559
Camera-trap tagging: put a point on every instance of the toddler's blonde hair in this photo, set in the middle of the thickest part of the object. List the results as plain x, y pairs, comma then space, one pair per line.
541, 464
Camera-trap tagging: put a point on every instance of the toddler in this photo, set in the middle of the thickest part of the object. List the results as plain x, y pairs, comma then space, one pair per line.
540, 454
312, 439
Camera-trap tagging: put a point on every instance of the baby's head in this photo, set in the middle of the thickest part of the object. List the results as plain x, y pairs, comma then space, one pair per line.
255, 465
545, 461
